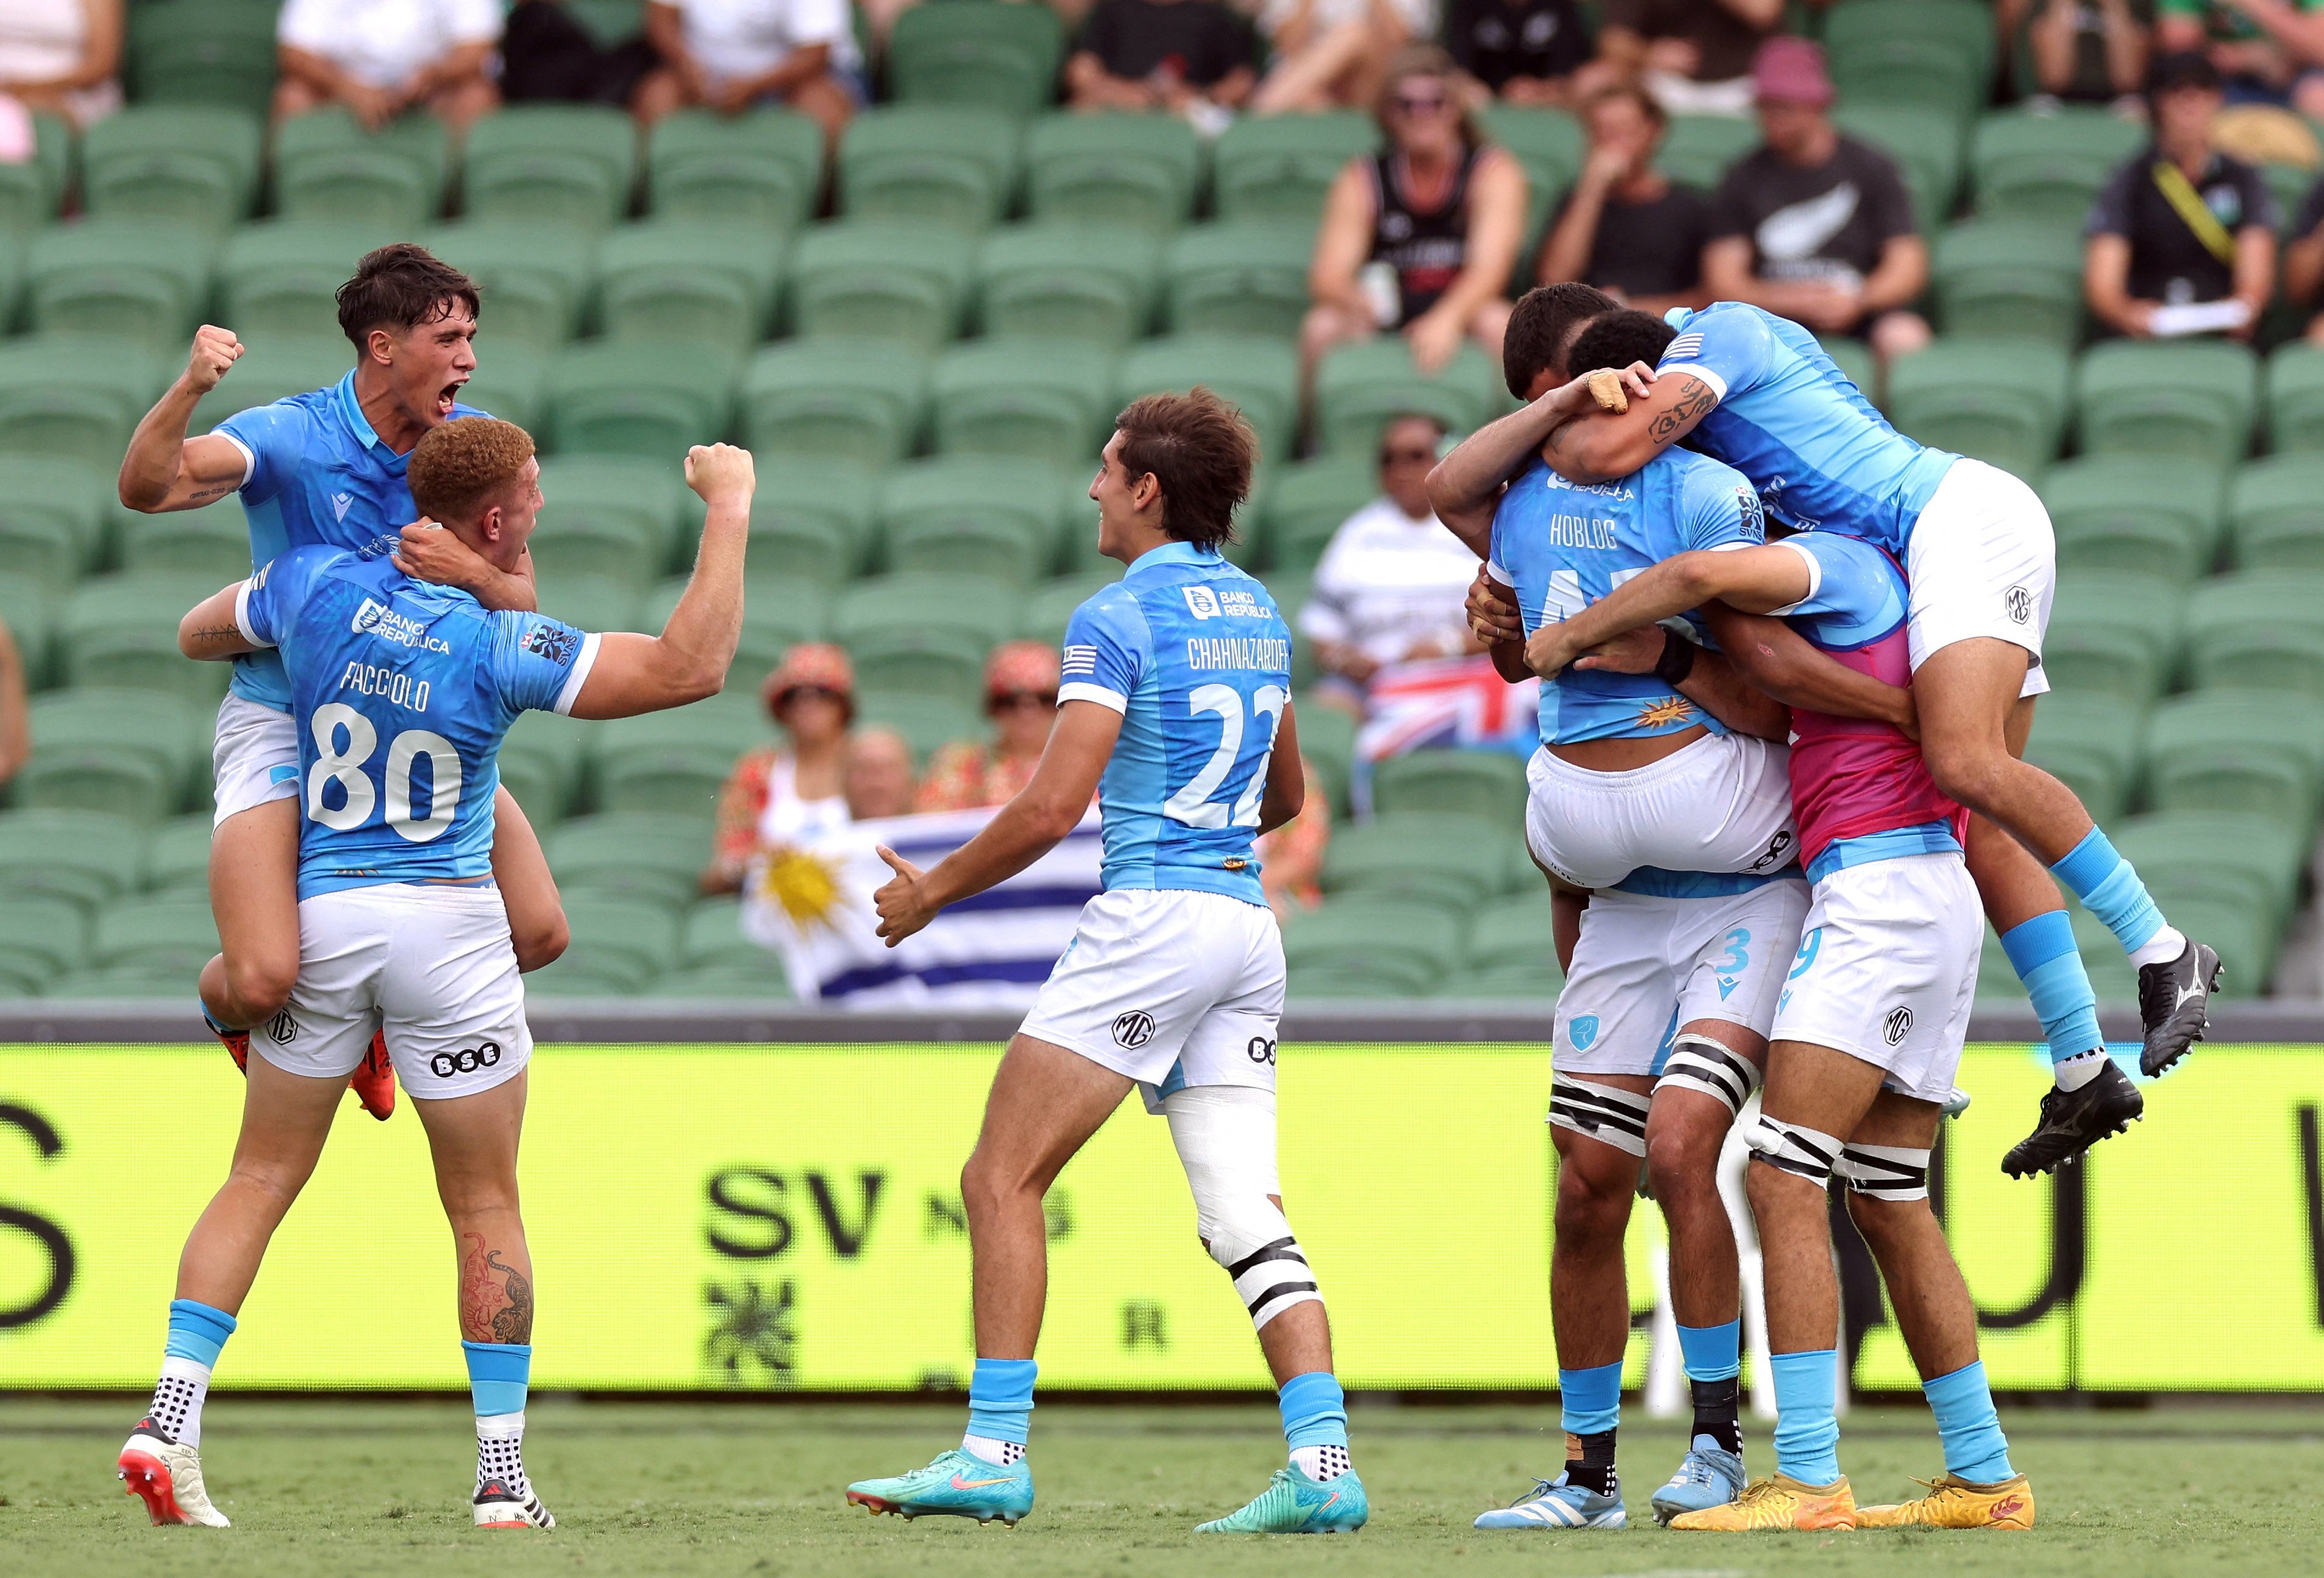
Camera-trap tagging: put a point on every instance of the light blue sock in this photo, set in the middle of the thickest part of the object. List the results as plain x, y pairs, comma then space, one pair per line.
1713, 1352
1975, 1448
2111, 890
1001, 1398
1314, 1410
2042, 951
197, 1332
498, 1375
1807, 1429
1590, 1400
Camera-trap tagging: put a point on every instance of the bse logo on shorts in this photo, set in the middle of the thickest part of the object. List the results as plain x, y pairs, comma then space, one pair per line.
1582, 1031
1259, 1049
466, 1060
2021, 604
283, 1030
1897, 1024
1201, 602
1133, 1029
1779, 849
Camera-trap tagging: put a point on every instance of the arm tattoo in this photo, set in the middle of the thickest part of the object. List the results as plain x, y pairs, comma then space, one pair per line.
1668, 424
203, 495
495, 1297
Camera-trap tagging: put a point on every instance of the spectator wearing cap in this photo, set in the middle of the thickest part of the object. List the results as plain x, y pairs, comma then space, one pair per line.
1624, 226
783, 795
2082, 51
1813, 226
2182, 239
381, 59
1190, 57
1519, 51
731, 55
1693, 55
2266, 52
1020, 697
876, 778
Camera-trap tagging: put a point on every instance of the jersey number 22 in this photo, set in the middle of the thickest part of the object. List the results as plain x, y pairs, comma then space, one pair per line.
1192, 804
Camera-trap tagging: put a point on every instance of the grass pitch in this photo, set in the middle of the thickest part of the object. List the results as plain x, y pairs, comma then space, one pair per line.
322, 1489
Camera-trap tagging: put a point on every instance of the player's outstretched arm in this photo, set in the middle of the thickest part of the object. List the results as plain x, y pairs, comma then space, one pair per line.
1287, 777
1050, 806
1754, 579
1777, 659
1599, 444
1465, 486
165, 470
688, 661
209, 630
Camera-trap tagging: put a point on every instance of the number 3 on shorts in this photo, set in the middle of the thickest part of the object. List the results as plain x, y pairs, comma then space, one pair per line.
1739, 957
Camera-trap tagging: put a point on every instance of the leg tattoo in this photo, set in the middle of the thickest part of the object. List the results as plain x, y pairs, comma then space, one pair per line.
495, 1297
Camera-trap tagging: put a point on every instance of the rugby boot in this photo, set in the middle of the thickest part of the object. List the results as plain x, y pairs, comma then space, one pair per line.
499, 1506
2174, 1002
1708, 1476
1781, 1502
957, 1484
1293, 1503
374, 1079
166, 1475
2072, 1120
1953, 1502
1559, 1504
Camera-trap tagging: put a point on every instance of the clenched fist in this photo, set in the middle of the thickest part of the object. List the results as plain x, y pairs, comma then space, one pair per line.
214, 350
721, 474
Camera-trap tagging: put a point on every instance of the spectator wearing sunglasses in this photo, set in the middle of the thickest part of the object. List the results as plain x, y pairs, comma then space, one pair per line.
1020, 697
782, 795
1389, 586
1421, 239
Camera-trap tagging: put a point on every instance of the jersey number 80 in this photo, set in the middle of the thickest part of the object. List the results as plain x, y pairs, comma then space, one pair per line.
1192, 804
346, 769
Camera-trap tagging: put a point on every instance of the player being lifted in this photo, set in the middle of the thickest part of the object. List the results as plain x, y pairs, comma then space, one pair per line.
327, 467
1757, 392
1176, 712
403, 690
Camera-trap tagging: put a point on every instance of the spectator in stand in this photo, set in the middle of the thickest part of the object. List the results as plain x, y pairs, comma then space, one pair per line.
2182, 239
877, 777
1624, 226
1020, 697
1520, 51
730, 55
379, 58
15, 718
62, 56
2303, 262
546, 55
2082, 51
1423, 238
1694, 55
1814, 226
785, 795
1291, 858
1189, 56
2266, 52
1389, 586
1329, 55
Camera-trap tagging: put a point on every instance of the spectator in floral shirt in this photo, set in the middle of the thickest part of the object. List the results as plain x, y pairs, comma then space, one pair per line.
787, 794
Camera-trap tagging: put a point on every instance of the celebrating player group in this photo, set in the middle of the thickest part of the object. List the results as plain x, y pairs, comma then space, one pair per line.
1778, 794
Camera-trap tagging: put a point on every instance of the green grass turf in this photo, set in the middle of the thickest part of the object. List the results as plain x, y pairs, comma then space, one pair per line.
320, 1489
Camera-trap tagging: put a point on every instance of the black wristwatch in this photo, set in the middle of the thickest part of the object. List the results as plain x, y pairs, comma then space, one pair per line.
1677, 660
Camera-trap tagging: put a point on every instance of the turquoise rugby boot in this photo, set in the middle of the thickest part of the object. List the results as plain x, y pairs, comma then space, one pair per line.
1293, 1503
1555, 1504
1709, 1476
957, 1484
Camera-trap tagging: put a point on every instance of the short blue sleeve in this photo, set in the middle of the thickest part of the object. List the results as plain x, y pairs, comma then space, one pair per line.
267, 603
539, 664
1855, 591
1106, 649
1718, 508
1728, 349
273, 438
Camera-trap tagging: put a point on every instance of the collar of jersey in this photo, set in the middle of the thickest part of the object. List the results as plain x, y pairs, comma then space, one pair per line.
352, 410
1172, 553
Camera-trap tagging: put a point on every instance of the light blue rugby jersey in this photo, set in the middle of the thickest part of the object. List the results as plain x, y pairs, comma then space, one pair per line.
401, 691
1819, 455
1197, 660
319, 475
1565, 545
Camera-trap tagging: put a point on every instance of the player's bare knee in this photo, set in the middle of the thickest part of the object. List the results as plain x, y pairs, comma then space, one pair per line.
540, 942
1969, 771
1682, 1159
1594, 1202
260, 984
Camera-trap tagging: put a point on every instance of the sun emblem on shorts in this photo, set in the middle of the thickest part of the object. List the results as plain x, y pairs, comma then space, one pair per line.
1664, 711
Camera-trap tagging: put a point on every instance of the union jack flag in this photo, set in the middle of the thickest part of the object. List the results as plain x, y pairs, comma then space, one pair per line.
1449, 702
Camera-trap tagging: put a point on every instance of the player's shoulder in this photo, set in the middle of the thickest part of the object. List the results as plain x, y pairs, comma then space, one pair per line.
293, 418
1112, 613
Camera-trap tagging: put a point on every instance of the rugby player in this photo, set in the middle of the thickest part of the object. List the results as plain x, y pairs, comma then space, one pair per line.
1177, 713
327, 467
403, 690
1756, 391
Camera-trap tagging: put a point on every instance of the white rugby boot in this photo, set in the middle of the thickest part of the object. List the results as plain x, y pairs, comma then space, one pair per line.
166, 1475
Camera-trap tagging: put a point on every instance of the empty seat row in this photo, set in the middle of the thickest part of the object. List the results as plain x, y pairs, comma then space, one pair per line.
1372, 943
2224, 748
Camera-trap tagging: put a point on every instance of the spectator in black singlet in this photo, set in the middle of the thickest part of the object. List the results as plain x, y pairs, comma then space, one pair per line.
1624, 226
1423, 238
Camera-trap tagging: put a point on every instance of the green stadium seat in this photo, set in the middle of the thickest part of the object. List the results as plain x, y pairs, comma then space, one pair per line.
759, 979
1361, 386
675, 762
977, 609
640, 397
85, 856
146, 281
927, 723
2039, 166
1278, 167
1120, 170
1248, 278
1410, 943
212, 543
627, 936
1955, 395
1548, 142
2192, 398
1052, 604
2014, 277
2276, 513
141, 982
31, 192
613, 515
1261, 376
2115, 633
2090, 742
2261, 751
281, 277
178, 857
540, 763
2160, 514
129, 754
2247, 945
764, 167
510, 383
50, 516
1291, 589
1070, 280
711, 935
2258, 631
638, 854
1446, 860
535, 277
1338, 984
1519, 932
975, 514
215, 53
275, 369
327, 166
944, 164
1886, 67
1310, 500
2293, 410
1327, 740
919, 663
977, 53
592, 603
1024, 396
1488, 785
1698, 149
28, 607
192, 164
586, 977
41, 937
2232, 857
121, 632
775, 617
1963, 26
688, 280
1924, 143
861, 400
811, 521
174, 934
879, 278
559, 164
1525, 982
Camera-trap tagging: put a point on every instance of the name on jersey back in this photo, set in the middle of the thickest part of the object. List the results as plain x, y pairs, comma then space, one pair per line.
1238, 652
1582, 532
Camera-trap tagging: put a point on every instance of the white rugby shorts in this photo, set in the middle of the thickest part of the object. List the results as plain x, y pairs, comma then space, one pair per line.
1982, 561
1888, 970
254, 757
1722, 803
1169, 987
432, 965
1644, 965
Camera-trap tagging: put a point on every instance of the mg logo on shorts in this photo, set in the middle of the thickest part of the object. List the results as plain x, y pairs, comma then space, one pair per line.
1897, 1024
283, 1030
2021, 604
1582, 1031
1133, 1029
466, 1060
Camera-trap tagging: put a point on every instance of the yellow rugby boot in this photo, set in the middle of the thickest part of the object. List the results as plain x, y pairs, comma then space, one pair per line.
1781, 1502
1953, 1502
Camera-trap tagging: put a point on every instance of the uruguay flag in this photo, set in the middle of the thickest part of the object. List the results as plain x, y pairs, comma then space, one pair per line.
813, 904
